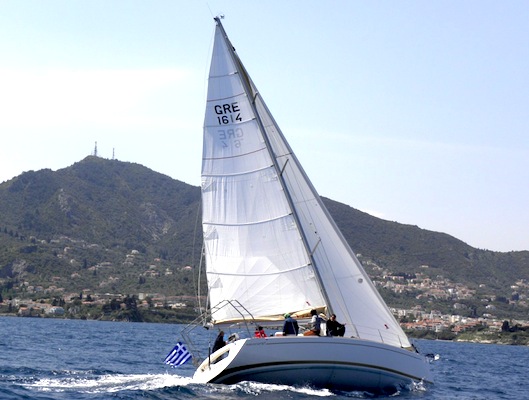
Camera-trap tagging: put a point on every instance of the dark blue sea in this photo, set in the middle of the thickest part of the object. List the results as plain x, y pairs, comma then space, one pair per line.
69, 359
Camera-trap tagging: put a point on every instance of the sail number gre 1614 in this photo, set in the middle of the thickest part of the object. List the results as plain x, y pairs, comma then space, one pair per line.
228, 113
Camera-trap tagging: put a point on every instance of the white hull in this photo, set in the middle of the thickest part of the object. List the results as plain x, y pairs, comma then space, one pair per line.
323, 362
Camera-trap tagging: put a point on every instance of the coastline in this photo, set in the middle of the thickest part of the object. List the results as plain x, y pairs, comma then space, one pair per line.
515, 338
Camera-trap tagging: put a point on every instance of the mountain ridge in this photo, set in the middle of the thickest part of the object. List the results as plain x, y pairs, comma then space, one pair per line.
116, 225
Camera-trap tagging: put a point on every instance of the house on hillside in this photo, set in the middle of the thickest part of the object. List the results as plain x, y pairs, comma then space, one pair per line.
55, 311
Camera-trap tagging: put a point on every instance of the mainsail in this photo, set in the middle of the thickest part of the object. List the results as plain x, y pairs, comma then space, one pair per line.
269, 241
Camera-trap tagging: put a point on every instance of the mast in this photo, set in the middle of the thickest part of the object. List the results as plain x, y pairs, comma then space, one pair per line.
245, 79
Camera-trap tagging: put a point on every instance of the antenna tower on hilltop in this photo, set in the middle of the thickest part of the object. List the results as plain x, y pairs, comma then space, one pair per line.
95, 150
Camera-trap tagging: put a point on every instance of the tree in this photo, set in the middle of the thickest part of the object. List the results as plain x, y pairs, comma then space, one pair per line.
130, 302
505, 326
115, 305
149, 301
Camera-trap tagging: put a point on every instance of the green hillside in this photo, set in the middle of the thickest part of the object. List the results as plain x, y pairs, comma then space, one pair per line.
405, 248
107, 226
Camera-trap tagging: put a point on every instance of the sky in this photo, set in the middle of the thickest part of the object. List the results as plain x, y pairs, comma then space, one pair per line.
415, 112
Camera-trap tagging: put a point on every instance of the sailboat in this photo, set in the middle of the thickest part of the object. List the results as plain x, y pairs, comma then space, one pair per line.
272, 248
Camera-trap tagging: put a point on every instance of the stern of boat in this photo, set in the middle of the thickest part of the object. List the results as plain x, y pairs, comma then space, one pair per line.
217, 362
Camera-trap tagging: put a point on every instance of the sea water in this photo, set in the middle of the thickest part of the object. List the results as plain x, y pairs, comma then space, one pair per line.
69, 359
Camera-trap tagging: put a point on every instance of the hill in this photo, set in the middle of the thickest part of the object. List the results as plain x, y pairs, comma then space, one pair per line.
99, 224
406, 248
106, 226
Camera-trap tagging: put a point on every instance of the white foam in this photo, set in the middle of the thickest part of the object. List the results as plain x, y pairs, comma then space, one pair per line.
256, 388
110, 383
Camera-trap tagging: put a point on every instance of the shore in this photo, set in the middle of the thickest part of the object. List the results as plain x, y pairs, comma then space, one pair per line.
514, 338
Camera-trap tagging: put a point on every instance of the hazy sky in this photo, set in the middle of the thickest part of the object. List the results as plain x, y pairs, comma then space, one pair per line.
413, 111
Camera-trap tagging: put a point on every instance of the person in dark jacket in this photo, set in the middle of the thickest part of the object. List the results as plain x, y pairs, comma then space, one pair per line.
290, 327
334, 328
219, 342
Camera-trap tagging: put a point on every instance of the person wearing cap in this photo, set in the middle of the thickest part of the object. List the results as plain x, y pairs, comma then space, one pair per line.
290, 327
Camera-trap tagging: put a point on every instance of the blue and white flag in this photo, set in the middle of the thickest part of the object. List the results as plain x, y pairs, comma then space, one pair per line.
178, 356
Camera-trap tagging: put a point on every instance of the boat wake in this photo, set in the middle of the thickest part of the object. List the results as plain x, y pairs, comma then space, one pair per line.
91, 383
107, 383
79, 382
273, 391
259, 389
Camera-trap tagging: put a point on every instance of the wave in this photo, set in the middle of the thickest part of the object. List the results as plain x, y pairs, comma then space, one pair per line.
89, 382
92, 384
259, 389
75, 381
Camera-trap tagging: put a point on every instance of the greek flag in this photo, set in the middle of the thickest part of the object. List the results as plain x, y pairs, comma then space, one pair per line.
178, 356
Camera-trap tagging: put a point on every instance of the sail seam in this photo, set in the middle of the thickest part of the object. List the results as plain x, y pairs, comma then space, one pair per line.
268, 274
278, 156
249, 223
222, 76
236, 156
226, 98
237, 174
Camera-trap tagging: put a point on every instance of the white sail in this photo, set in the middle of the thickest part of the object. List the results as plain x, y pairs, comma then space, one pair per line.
269, 241
254, 252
